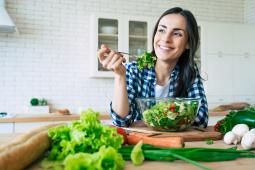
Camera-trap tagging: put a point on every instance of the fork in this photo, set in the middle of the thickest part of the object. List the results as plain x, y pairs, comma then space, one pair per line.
127, 54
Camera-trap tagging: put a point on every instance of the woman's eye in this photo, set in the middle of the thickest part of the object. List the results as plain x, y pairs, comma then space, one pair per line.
161, 30
178, 34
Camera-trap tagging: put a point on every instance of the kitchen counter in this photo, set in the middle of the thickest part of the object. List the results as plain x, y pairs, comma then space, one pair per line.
242, 163
45, 118
57, 117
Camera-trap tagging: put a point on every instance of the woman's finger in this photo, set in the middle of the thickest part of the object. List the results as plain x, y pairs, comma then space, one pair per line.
114, 59
103, 52
117, 64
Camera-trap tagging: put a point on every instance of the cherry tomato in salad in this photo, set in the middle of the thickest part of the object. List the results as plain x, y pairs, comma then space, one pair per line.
172, 107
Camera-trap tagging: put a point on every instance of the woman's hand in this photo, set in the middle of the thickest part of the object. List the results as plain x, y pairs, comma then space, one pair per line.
111, 60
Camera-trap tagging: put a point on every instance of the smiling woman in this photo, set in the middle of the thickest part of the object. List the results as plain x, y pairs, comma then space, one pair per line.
175, 41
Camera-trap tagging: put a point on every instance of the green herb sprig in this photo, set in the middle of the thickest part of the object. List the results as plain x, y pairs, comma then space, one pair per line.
146, 60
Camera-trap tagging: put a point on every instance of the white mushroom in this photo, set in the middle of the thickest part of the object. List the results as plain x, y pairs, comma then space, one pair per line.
248, 140
252, 130
240, 129
230, 138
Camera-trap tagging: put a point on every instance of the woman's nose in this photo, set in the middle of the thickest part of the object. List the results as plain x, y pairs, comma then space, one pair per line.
167, 37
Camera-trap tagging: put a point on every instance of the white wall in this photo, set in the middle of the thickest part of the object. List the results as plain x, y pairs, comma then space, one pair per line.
49, 57
249, 11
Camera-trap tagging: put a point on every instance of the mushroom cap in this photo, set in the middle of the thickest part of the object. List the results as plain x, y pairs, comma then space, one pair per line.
230, 138
240, 129
248, 140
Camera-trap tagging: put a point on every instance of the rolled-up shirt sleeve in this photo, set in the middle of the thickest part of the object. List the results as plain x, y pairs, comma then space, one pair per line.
197, 91
131, 72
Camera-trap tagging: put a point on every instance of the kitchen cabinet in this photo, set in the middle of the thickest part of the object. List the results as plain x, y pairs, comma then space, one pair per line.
218, 38
6, 128
244, 39
219, 69
21, 127
214, 119
243, 75
228, 59
129, 34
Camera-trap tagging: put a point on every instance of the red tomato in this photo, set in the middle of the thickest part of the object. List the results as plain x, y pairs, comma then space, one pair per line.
122, 132
172, 107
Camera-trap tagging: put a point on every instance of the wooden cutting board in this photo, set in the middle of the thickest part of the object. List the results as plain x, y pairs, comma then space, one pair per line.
191, 134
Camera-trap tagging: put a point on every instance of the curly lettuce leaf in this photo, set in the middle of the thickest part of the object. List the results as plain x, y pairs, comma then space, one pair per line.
86, 135
107, 158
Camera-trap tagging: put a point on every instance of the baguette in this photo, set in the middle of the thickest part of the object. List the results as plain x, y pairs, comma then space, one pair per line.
25, 149
20, 156
24, 137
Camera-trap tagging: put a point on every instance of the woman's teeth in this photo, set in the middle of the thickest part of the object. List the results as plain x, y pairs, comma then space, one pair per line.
164, 48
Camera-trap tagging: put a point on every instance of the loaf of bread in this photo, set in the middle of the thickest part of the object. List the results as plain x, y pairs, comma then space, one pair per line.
25, 149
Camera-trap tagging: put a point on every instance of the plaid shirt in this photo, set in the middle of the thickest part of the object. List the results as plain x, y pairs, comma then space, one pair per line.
141, 83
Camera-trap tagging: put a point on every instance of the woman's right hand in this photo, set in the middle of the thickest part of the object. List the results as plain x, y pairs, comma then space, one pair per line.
111, 60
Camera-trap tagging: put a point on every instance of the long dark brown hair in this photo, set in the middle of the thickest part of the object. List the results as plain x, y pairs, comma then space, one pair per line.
186, 61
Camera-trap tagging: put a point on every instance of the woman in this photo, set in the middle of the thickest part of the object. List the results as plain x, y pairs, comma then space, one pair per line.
175, 41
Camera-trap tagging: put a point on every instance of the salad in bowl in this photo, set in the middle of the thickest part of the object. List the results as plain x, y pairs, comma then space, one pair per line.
168, 114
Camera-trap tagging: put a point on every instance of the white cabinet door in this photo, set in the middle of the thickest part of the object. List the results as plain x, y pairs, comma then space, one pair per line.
104, 29
130, 34
27, 126
219, 72
244, 39
245, 98
216, 100
6, 128
22, 127
243, 75
219, 38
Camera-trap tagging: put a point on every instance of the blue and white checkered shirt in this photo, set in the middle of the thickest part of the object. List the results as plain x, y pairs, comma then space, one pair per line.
141, 83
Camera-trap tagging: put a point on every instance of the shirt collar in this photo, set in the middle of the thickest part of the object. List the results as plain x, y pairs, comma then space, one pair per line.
175, 72
151, 74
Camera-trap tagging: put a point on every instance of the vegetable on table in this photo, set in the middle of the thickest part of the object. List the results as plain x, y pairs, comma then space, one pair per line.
105, 159
85, 135
235, 117
190, 155
171, 142
240, 130
137, 154
248, 140
209, 141
231, 138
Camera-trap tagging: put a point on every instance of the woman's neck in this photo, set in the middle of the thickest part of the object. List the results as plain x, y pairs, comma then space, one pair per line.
163, 71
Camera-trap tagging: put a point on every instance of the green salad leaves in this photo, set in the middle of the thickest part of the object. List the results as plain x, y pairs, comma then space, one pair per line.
171, 115
146, 61
86, 142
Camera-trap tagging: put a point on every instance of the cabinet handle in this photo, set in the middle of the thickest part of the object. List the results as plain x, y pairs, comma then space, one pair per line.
220, 54
246, 55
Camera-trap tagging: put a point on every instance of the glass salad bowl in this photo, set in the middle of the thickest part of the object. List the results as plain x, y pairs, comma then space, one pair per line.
168, 114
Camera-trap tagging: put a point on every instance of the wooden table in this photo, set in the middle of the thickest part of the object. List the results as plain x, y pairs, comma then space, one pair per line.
242, 163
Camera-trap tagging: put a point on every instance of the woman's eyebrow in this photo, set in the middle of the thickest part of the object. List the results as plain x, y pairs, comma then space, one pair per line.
162, 26
175, 29
178, 29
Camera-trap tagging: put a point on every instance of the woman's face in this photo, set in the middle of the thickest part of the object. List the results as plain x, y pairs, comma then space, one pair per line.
171, 37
